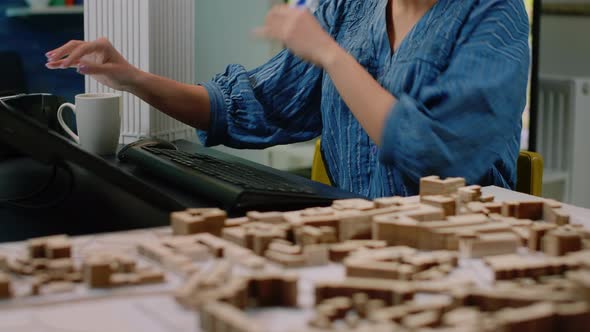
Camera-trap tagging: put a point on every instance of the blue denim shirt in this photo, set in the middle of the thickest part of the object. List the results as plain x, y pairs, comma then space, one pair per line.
459, 77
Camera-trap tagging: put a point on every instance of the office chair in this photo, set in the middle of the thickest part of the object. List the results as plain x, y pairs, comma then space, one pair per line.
12, 79
529, 178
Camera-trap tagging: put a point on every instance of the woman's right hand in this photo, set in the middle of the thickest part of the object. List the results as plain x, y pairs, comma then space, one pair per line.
99, 59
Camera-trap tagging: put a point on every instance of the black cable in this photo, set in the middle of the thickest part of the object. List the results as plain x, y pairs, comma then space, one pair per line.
35, 193
19, 202
46, 205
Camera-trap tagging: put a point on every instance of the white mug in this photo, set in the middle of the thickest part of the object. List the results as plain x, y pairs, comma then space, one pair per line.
98, 118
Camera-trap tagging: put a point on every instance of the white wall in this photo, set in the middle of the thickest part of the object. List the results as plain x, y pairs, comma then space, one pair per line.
565, 45
224, 35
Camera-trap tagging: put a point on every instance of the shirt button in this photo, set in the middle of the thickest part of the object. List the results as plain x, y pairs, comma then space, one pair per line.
374, 150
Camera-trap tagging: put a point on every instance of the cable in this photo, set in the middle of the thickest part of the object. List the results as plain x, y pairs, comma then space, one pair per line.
35, 193
19, 203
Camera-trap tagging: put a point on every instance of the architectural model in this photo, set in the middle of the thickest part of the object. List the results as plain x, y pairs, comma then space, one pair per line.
394, 252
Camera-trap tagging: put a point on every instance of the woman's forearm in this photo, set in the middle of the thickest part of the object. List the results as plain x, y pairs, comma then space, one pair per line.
365, 97
184, 102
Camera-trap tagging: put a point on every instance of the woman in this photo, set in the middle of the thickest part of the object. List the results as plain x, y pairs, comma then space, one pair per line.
398, 89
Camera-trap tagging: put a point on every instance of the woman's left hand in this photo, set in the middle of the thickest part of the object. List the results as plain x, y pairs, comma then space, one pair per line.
299, 30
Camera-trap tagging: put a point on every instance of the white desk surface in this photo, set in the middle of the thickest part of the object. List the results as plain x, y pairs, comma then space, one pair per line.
153, 309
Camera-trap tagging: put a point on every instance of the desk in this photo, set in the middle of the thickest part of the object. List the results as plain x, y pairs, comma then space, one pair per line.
152, 308
94, 206
99, 206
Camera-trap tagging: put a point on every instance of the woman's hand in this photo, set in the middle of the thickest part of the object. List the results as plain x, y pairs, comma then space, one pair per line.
99, 59
299, 30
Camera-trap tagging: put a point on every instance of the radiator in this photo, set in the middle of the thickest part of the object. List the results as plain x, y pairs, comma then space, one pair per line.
563, 138
156, 36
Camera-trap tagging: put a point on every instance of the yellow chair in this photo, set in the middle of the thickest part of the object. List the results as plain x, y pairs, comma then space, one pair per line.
529, 171
318, 169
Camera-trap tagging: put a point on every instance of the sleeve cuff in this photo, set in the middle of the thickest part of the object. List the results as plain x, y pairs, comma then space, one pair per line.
217, 132
390, 142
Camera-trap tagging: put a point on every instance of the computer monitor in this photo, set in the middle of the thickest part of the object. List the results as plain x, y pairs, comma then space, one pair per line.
529, 129
25, 129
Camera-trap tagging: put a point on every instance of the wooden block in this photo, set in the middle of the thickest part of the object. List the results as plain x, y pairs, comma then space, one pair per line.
509, 209
352, 320
359, 303
532, 210
150, 277
154, 251
536, 232
363, 269
329, 234
337, 307
217, 275
194, 221
266, 217
309, 235
288, 288
321, 322
489, 245
396, 230
74, 277
37, 246
5, 286
188, 288
469, 194
284, 248
493, 207
433, 185
572, 316
421, 320
123, 279
196, 252
389, 201
390, 291
58, 248
353, 204
447, 204
215, 244
237, 235
58, 287
556, 216
559, 242
537, 317
263, 239
374, 305
97, 273
253, 262
318, 211
426, 213
124, 264
222, 317
236, 222
487, 198
286, 260
462, 317
316, 255
337, 252
61, 266
3, 263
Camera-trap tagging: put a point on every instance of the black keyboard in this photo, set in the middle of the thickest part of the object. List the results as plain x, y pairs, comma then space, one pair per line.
238, 185
240, 175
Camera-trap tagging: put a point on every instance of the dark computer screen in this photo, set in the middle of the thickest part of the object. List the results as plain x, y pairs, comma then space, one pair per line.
530, 113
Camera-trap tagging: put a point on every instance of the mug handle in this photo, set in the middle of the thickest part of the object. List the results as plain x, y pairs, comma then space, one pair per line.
63, 124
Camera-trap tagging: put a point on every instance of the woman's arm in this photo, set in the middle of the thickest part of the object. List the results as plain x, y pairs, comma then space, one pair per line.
100, 60
187, 103
365, 97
